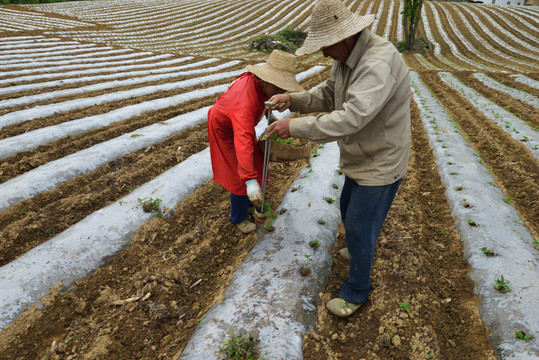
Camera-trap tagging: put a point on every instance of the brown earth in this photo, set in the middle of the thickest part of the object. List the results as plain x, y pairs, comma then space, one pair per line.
146, 301
185, 262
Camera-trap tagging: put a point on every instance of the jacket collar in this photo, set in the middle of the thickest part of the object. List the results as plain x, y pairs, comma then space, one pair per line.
359, 49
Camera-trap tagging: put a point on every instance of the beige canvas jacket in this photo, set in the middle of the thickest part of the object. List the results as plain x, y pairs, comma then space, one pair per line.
367, 105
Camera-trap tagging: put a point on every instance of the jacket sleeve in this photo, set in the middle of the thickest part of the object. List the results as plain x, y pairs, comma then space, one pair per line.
244, 120
372, 87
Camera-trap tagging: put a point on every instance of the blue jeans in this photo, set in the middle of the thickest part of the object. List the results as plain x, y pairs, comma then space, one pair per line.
239, 208
363, 211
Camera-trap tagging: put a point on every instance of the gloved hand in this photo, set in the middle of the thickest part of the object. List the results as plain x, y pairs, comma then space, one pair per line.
254, 193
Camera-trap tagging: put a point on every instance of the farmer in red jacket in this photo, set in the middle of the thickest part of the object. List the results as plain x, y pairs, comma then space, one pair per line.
236, 160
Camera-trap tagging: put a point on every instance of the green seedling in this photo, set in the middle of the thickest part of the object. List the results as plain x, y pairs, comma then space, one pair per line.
501, 286
315, 244
487, 252
458, 188
536, 243
521, 335
465, 203
288, 141
329, 200
308, 257
405, 307
151, 205
411, 207
335, 186
240, 347
508, 200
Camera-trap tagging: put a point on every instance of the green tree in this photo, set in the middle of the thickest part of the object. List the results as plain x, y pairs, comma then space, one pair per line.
410, 20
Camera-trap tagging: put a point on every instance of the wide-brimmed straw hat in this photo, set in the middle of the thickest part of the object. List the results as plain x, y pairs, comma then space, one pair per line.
331, 22
280, 70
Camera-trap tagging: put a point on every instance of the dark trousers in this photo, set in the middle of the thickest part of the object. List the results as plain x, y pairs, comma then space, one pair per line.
239, 208
363, 211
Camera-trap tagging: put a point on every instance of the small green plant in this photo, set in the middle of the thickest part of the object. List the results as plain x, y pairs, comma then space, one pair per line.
487, 252
315, 244
288, 141
536, 243
458, 188
405, 307
151, 205
335, 186
238, 347
308, 257
329, 200
501, 286
508, 200
431, 356
411, 207
521, 335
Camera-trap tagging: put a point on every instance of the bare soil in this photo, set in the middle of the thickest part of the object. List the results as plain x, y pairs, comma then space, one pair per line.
146, 301
422, 299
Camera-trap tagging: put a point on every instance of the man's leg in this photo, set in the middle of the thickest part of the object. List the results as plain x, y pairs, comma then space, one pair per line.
363, 217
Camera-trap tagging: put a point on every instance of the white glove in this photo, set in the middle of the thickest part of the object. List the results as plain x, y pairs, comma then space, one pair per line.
254, 192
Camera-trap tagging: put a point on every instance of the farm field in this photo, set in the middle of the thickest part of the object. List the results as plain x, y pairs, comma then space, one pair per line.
103, 105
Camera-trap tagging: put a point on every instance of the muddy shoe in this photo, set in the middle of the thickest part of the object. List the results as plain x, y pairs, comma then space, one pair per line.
341, 308
344, 253
246, 226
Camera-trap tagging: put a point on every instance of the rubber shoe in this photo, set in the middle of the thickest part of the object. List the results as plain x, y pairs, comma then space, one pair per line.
246, 226
344, 253
341, 308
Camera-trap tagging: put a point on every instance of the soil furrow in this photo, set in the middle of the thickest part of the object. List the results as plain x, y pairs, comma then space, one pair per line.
33, 221
38, 123
506, 79
22, 162
519, 108
185, 262
514, 168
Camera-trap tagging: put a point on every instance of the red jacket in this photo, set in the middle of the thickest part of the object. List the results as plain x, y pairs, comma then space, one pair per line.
235, 156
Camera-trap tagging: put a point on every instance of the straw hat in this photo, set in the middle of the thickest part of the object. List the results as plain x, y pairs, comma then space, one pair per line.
332, 22
280, 70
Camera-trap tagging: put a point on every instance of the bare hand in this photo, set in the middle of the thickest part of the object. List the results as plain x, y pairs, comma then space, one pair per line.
281, 128
279, 102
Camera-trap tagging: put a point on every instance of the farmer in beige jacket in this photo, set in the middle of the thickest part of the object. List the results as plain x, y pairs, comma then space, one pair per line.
366, 108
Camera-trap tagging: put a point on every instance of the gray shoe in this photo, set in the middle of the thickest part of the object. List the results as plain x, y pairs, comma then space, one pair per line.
341, 308
344, 253
246, 226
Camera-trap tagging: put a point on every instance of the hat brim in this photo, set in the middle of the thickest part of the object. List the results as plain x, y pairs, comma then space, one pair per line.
282, 79
319, 39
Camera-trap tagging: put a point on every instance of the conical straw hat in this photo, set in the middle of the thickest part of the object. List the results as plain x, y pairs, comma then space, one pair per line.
280, 70
331, 22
